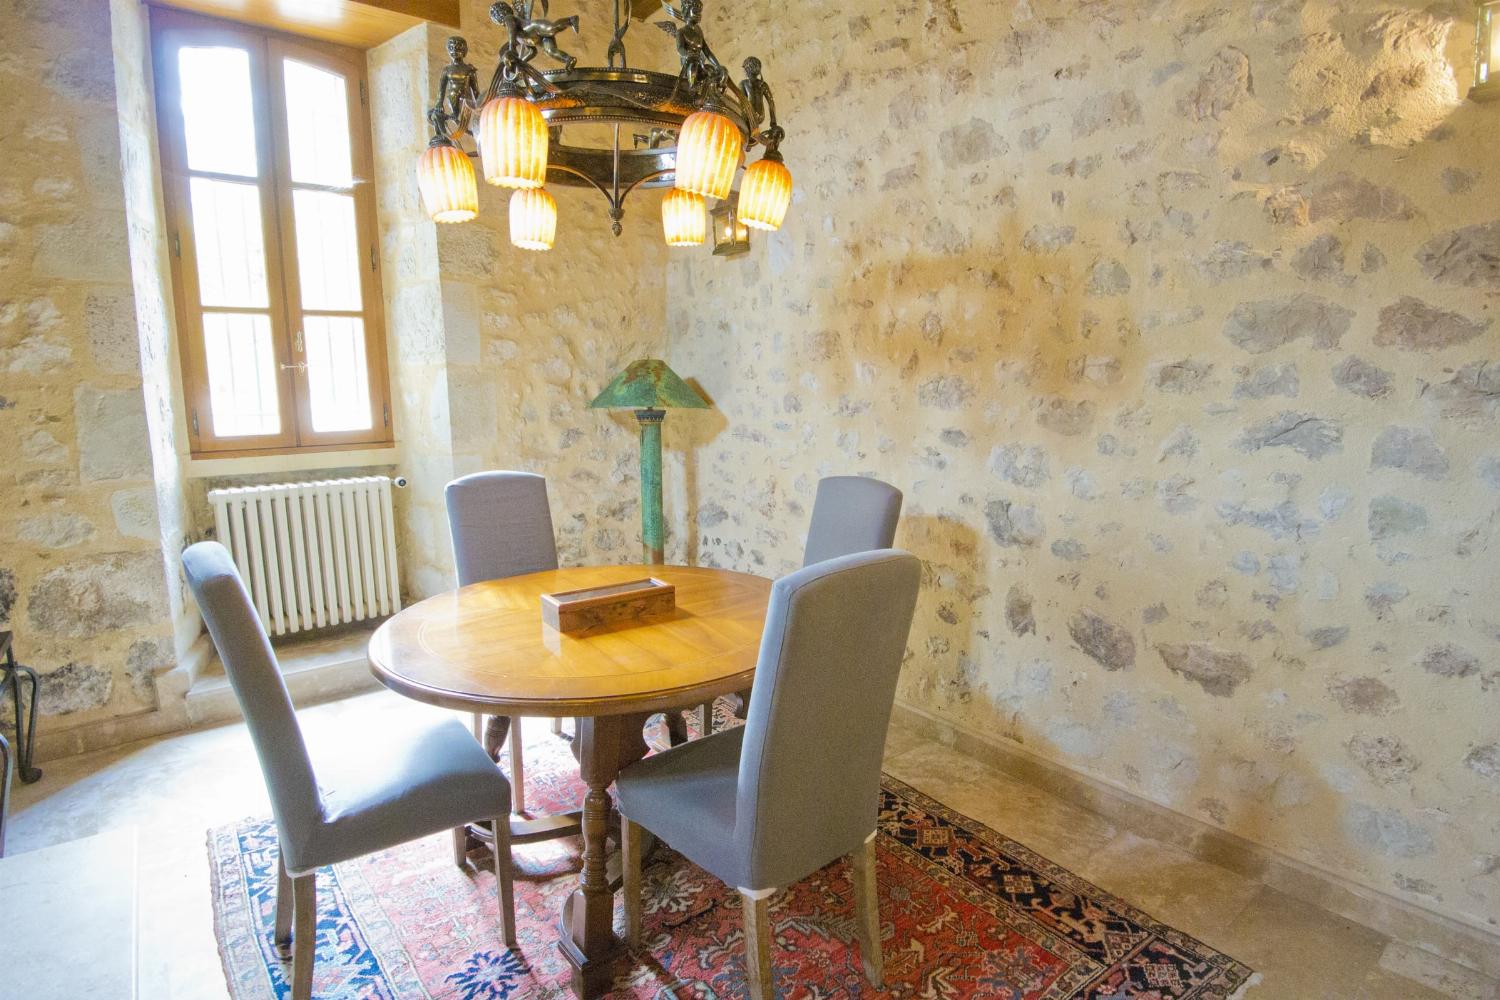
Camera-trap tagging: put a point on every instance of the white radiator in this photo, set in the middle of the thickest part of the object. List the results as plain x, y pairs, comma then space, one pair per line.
313, 554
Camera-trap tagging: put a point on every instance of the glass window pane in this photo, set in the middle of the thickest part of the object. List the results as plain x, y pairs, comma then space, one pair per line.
231, 248
327, 256
337, 380
317, 125
218, 115
241, 374
1493, 56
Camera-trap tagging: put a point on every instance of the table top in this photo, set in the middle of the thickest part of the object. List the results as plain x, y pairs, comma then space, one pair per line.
484, 648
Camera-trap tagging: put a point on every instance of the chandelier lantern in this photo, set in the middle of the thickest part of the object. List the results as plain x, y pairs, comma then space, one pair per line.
533, 128
446, 179
684, 221
533, 219
512, 143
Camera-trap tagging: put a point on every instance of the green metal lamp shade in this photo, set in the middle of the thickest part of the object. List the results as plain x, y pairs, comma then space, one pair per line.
648, 384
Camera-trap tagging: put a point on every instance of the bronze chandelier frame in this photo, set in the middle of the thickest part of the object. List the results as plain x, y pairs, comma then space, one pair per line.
615, 95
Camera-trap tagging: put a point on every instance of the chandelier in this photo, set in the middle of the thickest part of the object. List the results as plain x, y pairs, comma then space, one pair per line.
534, 127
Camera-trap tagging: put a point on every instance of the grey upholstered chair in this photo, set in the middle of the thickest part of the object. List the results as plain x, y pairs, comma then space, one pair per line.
501, 525
388, 793
798, 785
850, 514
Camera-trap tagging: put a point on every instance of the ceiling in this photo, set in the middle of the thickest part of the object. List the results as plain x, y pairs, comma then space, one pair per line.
362, 24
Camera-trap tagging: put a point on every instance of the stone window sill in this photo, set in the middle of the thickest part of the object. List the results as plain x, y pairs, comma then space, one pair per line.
300, 461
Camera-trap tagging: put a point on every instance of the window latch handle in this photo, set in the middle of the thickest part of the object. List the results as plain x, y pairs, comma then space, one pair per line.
297, 349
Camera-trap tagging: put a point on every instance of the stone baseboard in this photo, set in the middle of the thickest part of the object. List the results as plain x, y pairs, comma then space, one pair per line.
196, 694
1468, 945
318, 671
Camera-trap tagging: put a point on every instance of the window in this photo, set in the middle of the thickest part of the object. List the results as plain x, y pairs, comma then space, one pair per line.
266, 161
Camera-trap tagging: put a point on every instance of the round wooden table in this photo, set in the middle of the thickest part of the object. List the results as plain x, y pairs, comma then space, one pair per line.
484, 649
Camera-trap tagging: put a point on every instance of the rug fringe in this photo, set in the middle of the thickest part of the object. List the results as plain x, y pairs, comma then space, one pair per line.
214, 889
1246, 987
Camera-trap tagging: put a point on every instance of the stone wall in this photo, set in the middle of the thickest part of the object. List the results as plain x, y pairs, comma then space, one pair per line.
401, 73
165, 509
1175, 321
82, 577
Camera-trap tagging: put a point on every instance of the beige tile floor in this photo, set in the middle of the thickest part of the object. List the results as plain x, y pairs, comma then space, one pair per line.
39, 893
173, 789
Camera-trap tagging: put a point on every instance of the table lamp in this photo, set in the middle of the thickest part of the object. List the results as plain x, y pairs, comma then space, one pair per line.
649, 388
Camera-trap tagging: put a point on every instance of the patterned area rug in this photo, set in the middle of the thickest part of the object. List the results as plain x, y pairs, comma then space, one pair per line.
965, 912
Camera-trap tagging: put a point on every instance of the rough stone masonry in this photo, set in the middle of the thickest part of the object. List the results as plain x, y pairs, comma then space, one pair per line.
1178, 322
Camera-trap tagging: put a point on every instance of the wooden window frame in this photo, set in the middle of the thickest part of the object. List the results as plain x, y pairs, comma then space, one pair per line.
171, 30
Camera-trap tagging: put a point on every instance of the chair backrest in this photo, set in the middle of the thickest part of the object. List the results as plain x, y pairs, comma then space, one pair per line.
501, 525
809, 780
851, 514
251, 665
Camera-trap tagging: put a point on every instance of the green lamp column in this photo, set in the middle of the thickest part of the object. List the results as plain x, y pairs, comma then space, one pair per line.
649, 388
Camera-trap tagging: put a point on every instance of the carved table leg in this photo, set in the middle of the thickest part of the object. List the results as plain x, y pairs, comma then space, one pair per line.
677, 730
606, 744
496, 727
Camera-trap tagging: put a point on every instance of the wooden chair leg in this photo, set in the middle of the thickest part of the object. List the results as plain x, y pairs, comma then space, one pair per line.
517, 767
461, 839
305, 936
284, 907
461, 846
505, 896
757, 906
630, 872
867, 911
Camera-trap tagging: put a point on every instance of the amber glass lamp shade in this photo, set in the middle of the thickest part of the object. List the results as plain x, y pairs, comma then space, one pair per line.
533, 219
446, 179
683, 219
709, 146
765, 193
513, 143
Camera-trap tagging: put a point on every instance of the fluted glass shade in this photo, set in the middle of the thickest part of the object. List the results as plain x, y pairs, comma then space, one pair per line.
708, 153
683, 220
533, 219
446, 179
513, 143
765, 193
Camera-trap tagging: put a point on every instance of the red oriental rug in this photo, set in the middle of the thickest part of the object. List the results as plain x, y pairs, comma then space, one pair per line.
965, 912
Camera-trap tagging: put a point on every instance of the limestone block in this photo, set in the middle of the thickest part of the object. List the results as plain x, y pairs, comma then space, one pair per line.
96, 594
89, 248
113, 440
135, 513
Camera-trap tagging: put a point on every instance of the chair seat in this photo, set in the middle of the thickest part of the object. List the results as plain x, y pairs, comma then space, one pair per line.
399, 789
686, 796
